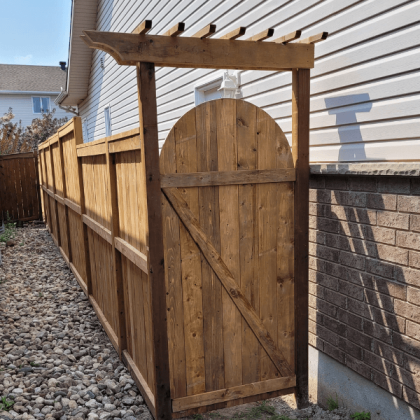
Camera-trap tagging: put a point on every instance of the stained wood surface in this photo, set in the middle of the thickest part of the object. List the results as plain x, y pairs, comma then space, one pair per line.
19, 197
230, 250
165, 51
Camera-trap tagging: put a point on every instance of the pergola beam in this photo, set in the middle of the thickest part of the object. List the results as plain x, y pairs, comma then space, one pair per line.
188, 52
267, 33
143, 28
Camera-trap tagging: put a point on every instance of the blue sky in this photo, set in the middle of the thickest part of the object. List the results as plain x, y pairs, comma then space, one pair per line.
34, 31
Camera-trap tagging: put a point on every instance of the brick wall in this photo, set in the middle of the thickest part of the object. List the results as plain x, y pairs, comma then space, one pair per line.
365, 277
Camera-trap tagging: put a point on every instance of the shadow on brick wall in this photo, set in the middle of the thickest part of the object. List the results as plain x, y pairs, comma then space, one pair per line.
359, 313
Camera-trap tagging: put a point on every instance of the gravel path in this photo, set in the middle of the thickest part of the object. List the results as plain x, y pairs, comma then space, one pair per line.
56, 360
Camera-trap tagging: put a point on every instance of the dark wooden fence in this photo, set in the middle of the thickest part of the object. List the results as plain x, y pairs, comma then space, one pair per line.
19, 188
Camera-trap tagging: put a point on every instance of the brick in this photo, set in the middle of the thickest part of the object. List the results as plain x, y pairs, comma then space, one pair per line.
358, 366
359, 308
379, 268
326, 308
350, 348
373, 329
412, 364
327, 225
351, 214
414, 222
316, 236
334, 325
335, 298
336, 182
406, 344
359, 277
409, 204
335, 270
313, 302
389, 287
312, 327
334, 352
380, 300
364, 248
393, 220
326, 335
323, 279
407, 378
413, 295
387, 319
316, 181
381, 201
392, 254
339, 197
357, 199
394, 185
352, 260
313, 222
324, 252
359, 338
350, 229
379, 234
320, 196
377, 362
316, 342
350, 289
316, 209
316, 264
350, 319
316, 290
414, 259
411, 397
337, 241
408, 240
407, 275
413, 330
387, 383
389, 352
362, 183
407, 310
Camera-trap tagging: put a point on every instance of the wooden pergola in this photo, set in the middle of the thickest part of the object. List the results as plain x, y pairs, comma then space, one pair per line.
285, 53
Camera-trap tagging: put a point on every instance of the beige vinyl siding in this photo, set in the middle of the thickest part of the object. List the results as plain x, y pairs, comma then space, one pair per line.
365, 87
22, 107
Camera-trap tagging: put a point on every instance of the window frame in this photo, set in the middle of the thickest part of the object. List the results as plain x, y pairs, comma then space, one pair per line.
40, 98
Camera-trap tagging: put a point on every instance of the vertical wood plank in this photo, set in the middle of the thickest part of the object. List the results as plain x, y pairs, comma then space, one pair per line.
176, 337
57, 234
116, 255
186, 161
78, 139
149, 138
246, 133
300, 150
46, 196
66, 209
207, 160
37, 184
229, 238
267, 240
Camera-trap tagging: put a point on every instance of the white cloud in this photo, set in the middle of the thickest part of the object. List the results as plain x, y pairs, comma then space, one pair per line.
20, 59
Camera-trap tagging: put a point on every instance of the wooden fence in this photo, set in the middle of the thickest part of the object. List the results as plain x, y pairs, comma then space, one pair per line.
19, 188
230, 309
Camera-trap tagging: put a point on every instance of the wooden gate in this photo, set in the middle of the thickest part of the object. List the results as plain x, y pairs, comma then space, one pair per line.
227, 179
19, 188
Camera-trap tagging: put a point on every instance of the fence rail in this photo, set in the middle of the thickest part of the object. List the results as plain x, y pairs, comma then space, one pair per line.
19, 189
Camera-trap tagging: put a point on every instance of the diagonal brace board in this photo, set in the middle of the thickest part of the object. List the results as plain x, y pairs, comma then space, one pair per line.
227, 280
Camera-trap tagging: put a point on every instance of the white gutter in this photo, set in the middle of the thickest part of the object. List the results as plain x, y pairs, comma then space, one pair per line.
26, 92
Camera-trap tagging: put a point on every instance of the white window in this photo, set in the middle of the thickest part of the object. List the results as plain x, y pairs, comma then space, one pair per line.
85, 130
40, 104
223, 84
107, 114
208, 90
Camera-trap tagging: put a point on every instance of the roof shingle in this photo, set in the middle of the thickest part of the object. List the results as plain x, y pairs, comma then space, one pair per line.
32, 78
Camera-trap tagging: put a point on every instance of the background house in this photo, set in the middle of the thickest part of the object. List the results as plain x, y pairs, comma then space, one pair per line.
365, 149
31, 90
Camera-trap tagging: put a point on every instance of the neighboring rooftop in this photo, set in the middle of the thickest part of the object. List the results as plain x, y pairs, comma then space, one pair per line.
24, 78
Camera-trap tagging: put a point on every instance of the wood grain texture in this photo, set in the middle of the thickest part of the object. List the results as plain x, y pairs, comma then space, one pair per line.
300, 149
164, 51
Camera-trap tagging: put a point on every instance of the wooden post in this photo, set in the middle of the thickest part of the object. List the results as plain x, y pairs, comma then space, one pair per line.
155, 259
300, 150
46, 196
116, 255
57, 220
78, 139
38, 182
66, 209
